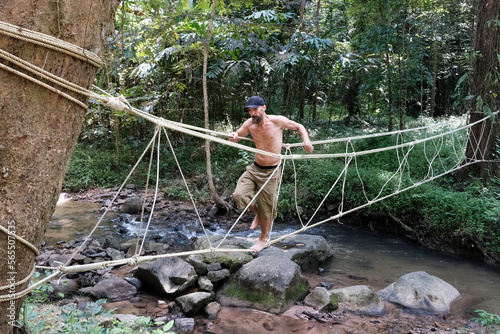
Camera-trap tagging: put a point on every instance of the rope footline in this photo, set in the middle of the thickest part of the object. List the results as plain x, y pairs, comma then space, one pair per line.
133, 261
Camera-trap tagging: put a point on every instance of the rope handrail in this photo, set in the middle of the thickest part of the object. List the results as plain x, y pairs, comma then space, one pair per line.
50, 42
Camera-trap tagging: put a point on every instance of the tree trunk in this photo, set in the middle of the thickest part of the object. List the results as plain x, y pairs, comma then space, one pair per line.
286, 96
38, 128
484, 66
434, 70
389, 91
301, 13
302, 96
211, 184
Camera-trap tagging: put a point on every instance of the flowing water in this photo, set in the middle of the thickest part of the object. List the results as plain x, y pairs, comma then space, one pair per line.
73, 220
381, 258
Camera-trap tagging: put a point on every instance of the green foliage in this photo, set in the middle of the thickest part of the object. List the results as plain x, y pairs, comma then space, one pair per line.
488, 320
47, 319
42, 294
383, 64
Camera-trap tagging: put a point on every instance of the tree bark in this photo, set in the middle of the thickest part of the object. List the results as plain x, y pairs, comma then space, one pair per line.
434, 70
38, 128
484, 65
211, 185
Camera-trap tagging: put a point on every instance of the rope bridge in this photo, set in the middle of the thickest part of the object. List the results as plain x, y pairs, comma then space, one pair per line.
424, 144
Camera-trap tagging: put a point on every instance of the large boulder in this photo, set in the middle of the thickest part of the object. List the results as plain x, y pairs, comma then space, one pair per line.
132, 205
308, 251
229, 260
230, 242
194, 302
267, 283
167, 276
422, 292
359, 299
113, 289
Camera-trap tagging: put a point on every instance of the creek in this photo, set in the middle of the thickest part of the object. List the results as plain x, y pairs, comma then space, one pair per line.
372, 259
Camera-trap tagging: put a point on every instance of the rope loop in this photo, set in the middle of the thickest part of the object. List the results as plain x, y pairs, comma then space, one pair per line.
119, 103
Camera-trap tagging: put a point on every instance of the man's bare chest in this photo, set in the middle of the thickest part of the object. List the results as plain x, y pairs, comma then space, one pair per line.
265, 132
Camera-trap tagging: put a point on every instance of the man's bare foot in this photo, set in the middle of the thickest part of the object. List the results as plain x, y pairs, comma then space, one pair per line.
259, 245
255, 223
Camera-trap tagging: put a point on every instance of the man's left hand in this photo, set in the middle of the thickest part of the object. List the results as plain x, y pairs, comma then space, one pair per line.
308, 147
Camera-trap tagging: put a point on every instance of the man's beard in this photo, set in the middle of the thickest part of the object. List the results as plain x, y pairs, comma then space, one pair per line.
256, 119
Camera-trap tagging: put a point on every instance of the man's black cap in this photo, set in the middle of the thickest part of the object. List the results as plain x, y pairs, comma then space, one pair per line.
255, 101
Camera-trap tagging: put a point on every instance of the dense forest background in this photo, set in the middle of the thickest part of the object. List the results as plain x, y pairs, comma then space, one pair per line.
340, 67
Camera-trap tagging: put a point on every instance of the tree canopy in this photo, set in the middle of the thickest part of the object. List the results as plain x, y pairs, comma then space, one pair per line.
310, 60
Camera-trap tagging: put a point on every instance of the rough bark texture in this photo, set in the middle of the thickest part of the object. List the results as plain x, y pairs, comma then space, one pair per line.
487, 45
38, 128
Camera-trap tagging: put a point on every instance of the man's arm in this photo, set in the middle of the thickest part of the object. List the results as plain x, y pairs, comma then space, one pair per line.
243, 131
286, 123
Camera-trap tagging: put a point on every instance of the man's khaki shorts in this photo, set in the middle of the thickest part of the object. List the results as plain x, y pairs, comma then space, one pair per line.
249, 184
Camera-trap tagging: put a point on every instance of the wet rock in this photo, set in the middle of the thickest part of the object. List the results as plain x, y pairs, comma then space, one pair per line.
213, 211
214, 266
194, 302
421, 291
205, 284
130, 319
308, 251
359, 299
183, 325
132, 205
87, 279
113, 289
169, 275
114, 254
212, 309
134, 281
149, 247
42, 259
65, 286
95, 244
230, 260
267, 283
96, 255
111, 242
229, 242
321, 299
79, 258
197, 262
218, 275
326, 285
56, 260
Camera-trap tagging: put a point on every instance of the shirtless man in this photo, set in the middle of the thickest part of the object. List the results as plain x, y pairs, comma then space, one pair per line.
267, 132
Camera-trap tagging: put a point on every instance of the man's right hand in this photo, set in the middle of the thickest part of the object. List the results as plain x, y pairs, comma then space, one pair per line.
233, 137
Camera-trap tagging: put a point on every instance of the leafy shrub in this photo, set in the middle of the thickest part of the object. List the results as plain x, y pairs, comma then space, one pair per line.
488, 320
48, 319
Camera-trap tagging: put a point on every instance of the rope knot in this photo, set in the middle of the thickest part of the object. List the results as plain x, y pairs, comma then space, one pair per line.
133, 261
118, 103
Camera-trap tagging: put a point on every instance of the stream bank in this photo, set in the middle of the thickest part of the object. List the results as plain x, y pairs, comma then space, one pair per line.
359, 258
